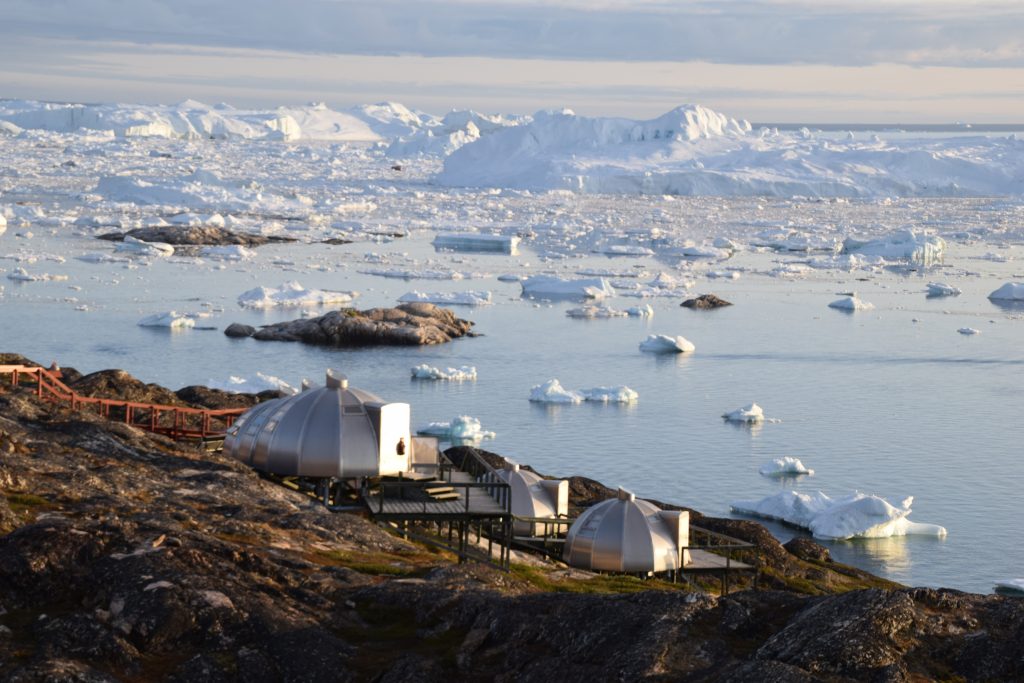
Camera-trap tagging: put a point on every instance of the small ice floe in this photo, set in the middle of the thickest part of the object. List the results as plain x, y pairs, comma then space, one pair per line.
937, 289
466, 372
22, 275
551, 287
292, 294
723, 274
471, 241
851, 303
461, 429
591, 311
1011, 291
3, 224
137, 247
662, 343
250, 385
553, 392
644, 311
170, 319
857, 515
784, 467
968, 331
749, 414
228, 252
1011, 587
100, 257
422, 274
625, 250
511, 277
447, 298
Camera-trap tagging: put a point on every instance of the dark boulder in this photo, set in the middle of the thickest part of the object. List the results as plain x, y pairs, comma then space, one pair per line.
705, 302
239, 330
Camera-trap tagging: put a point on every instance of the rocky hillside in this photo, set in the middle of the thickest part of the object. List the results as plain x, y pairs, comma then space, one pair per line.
127, 557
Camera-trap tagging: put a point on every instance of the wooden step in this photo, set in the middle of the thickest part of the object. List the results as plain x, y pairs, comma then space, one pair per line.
445, 496
435, 489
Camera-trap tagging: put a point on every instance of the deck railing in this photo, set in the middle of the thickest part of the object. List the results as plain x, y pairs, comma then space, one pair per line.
177, 422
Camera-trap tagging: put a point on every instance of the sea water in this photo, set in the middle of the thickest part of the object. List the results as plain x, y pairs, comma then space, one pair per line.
891, 401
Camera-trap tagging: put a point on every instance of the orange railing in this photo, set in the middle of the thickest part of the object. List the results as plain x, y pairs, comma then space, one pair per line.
178, 422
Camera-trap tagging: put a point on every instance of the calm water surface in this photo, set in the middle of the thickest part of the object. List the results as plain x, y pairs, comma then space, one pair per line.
871, 401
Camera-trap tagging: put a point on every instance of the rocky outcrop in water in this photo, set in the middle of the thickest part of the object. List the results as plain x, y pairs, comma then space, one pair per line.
705, 302
127, 557
413, 324
184, 235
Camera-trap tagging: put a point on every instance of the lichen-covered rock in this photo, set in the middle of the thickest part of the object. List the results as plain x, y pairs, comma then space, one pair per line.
806, 549
413, 324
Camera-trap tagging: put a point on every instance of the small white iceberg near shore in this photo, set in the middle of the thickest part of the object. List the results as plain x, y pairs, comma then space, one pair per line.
857, 515
749, 414
447, 298
1011, 291
551, 287
662, 343
937, 289
594, 311
250, 385
170, 319
424, 371
227, 252
22, 275
552, 391
291, 294
968, 331
460, 429
1012, 587
784, 467
851, 303
137, 247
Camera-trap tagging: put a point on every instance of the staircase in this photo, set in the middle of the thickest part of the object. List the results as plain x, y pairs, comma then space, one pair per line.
429, 485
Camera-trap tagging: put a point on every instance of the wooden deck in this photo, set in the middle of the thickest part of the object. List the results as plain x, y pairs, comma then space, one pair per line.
703, 561
472, 502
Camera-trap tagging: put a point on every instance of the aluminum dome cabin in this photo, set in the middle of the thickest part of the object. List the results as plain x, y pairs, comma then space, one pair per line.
331, 432
623, 534
533, 496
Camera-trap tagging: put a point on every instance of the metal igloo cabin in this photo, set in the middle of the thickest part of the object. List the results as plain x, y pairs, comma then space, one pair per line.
334, 431
623, 534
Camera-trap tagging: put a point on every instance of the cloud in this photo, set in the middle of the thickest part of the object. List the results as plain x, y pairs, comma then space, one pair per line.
935, 33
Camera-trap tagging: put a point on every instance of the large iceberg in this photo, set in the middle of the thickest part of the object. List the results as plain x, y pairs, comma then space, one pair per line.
904, 245
551, 287
460, 430
1011, 291
857, 515
473, 241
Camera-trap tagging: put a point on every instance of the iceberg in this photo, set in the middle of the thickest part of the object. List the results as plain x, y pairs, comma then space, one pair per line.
750, 414
857, 515
137, 247
1011, 291
784, 467
250, 385
170, 319
292, 294
22, 275
904, 245
551, 287
472, 241
230, 252
553, 392
447, 298
460, 430
937, 289
968, 331
851, 303
660, 343
424, 371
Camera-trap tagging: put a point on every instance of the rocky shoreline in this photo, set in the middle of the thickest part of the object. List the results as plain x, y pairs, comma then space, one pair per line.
125, 556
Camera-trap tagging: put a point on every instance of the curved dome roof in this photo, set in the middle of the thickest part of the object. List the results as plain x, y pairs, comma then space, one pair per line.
331, 431
623, 534
534, 496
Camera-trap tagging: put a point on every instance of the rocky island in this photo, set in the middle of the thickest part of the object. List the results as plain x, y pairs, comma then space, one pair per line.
125, 556
405, 325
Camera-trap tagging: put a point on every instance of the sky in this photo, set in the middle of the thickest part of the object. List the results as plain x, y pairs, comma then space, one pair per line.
896, 61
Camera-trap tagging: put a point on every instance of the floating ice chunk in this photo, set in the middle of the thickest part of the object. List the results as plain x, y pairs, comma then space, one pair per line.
137, 247
936, 289
625, 250
660, 343
857, 515
549, 286
968, 331
22, 275
250, 385
448, 298
619, 394
422, 274
644, 311
229, 252
471, 241
292, 294
466, 372
1011, 291
1014, 587
851, 303
3, 224
171, 319
749, 414
903, 245
590, 312
553, 392
784, 467
100, 257
461, 429
511, 277
724, 274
